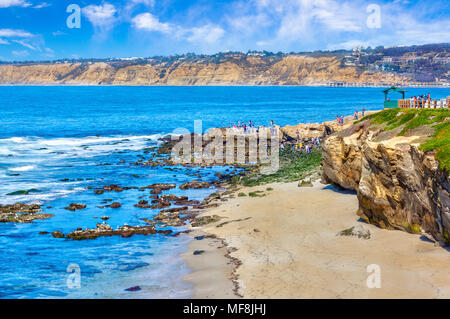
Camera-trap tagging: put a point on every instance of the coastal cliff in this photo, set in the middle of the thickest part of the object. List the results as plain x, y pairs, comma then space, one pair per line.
397, 162
241, 70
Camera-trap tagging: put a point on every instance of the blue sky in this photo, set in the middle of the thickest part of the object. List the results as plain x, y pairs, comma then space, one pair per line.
37, 29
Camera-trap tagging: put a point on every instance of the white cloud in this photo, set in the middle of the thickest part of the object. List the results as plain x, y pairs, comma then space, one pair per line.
14, 33
14, 3
3, 41
100, 16
351, 44
148, 22
48, 53
25, 44
21, 54
24, 38
206, 33
300, 18
132, 3
56, 33
42, 5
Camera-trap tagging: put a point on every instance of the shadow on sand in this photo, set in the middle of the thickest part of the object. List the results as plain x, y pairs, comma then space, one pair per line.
340, 190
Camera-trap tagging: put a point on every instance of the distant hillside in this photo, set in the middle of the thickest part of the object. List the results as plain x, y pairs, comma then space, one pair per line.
334, 68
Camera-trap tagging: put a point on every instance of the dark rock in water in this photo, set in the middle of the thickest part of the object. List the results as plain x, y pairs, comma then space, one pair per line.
21, 213
148, 221
195, 185
175, 209
156, 191
114, 205
174, 198
198, 252
107, 230
154, 196
105, 218
187, 202
144, 206
161, 204
162, 186
165, 232
43, 232
113, 188
74, 206
99, 191
199, 237
143, 202
58, 234
136, 288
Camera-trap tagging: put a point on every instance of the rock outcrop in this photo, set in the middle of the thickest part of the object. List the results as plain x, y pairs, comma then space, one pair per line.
21, 213
398, 185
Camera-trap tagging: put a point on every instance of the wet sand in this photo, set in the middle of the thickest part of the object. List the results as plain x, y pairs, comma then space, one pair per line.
285, 245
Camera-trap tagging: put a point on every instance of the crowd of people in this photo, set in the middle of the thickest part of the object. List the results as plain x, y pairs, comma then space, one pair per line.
251, 128
305, 145
426, 101
298, 144
340, 118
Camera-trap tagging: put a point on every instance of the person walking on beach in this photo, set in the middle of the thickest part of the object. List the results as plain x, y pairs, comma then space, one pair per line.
356, 115
363, 112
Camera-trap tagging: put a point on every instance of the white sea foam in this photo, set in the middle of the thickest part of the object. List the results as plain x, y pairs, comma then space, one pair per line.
39, 197
14, 140
66, 147
4, 151
22, 168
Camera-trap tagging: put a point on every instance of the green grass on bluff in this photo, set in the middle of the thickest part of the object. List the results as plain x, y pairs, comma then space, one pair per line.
408, 119
294, 166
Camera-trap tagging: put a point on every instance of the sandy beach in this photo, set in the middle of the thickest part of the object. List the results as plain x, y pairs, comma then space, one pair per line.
285, 244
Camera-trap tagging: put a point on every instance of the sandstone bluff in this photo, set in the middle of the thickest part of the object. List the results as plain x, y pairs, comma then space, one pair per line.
398, 185
248, 70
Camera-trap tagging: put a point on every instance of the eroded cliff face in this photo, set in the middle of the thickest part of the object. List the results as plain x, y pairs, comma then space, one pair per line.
289, 70
398, 186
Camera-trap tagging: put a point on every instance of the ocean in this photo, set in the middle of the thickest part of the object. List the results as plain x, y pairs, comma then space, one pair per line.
59, 142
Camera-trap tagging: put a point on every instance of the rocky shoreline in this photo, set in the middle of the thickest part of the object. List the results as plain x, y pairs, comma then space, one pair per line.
412, 209
358, 157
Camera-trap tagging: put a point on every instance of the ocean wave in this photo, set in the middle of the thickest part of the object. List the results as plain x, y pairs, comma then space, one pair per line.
89, 146
40, 197
22, 168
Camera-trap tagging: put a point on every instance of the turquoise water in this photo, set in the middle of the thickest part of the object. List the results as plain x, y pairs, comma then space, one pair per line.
57, 141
